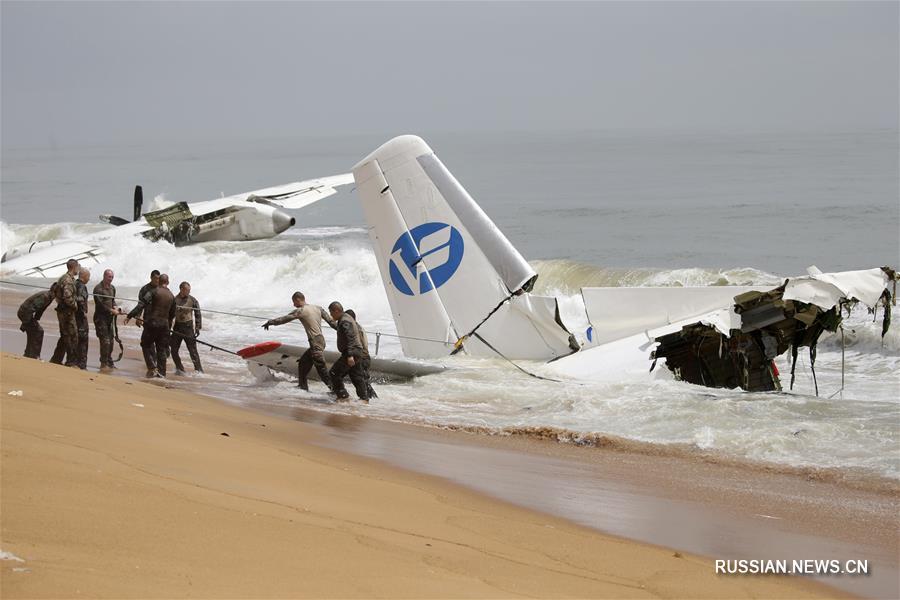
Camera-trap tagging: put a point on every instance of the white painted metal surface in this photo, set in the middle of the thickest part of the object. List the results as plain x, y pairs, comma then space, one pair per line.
445, 265
283, 358
248, 216
48, 259
827, 289
618, 312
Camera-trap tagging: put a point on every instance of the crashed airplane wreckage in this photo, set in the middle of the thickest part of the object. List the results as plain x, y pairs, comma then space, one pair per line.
252, 215
769, 323
249, 216
456, 284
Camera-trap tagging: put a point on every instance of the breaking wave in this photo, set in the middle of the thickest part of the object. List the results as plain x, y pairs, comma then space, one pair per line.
862, 333
866, 480
568, 277
850, 440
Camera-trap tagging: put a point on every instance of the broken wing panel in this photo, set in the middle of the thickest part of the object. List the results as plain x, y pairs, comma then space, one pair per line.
619, 312
524, 328
300, 194
291, 195
827, 289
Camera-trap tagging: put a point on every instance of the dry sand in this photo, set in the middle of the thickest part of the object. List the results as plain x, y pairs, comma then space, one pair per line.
117, 488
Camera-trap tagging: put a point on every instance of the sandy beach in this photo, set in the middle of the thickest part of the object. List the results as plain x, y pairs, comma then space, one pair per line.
116, 487
545, 220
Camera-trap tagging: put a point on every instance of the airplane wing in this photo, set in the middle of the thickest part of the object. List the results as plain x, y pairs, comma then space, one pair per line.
619, 312
283, 358
291, 195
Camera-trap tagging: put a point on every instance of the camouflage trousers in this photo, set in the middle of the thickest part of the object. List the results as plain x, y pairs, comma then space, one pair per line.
315, 356
155, 346
82, 350
67, 347
105, 334
357, 376
184, 332
35, 338
365, 363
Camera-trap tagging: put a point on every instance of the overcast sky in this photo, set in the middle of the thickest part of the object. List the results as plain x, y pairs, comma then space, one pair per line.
79, 72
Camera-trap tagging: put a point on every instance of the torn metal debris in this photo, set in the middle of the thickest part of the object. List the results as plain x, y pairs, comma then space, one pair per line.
789, 317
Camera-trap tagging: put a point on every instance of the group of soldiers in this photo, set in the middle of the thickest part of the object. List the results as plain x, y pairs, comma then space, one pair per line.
167, 320
71, 296
351, 343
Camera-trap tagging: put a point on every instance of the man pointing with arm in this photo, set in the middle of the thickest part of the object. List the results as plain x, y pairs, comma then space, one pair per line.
310, 316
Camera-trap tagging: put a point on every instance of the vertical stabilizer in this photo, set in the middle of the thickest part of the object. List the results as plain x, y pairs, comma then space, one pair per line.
446, 267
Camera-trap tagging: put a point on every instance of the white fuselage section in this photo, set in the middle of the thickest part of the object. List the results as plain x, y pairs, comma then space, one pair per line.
233, 220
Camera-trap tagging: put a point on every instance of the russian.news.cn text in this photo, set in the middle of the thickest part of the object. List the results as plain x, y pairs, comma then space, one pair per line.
803, 566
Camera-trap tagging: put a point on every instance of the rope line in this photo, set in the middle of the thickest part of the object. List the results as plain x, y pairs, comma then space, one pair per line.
233, 314
199, 341
527, 372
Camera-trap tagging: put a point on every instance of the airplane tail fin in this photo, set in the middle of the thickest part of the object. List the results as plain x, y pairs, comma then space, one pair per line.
448, 270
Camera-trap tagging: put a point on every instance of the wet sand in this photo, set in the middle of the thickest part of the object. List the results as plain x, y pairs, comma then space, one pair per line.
715, 510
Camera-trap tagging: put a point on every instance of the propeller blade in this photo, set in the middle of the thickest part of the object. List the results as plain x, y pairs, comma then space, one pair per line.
138, 201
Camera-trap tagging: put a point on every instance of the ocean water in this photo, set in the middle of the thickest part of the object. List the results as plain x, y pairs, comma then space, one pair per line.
585, 209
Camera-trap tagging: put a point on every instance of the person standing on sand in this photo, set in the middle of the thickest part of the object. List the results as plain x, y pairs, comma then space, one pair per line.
158, 305
30, 313
105, 313
188, 322
81, 319
67, 347
310, 316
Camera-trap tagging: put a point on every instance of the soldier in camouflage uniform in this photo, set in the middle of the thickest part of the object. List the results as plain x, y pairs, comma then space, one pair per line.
351, 358
147, 288
310, 316
81, 317
158, 306
66, 307
105, 312
188, 323
366, 361
30, 313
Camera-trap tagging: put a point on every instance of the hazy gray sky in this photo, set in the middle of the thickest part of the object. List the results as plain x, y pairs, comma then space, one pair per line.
81, 72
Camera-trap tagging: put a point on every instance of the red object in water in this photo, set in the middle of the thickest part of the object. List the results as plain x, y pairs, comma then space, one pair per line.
257, 349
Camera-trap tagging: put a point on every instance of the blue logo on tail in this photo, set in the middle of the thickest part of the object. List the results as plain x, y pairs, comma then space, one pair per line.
411, 278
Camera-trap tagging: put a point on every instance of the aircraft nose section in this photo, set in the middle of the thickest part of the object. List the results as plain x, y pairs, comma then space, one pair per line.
281, 221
